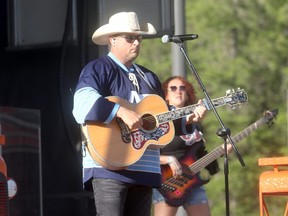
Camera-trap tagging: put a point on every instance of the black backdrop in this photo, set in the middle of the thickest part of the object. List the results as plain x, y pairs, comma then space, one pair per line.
44, 79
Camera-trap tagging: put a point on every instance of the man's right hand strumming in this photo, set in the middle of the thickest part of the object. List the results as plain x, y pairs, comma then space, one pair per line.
130, 118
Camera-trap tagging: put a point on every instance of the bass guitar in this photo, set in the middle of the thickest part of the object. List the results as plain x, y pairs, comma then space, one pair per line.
115, 147
175, 190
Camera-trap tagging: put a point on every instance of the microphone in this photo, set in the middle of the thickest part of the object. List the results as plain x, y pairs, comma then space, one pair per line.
178, 38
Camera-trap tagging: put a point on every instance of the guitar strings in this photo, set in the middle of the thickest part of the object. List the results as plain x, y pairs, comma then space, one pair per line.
197, 165
151, 119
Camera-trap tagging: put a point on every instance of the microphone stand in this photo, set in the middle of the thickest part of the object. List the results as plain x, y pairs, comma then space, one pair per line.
223, 132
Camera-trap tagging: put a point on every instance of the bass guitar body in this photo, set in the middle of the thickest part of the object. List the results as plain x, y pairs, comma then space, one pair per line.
175, 190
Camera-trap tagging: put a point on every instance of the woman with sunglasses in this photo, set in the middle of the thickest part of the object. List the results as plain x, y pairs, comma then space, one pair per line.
180, 93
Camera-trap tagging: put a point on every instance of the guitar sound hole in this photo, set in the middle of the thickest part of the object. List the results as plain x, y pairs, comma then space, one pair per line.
149, 122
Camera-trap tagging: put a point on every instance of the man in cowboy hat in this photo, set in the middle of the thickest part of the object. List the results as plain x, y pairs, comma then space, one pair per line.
125, 191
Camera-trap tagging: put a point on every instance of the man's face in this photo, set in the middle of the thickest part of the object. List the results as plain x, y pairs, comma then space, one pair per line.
126, 47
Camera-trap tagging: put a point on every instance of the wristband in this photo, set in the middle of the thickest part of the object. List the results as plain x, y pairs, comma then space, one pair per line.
170, 160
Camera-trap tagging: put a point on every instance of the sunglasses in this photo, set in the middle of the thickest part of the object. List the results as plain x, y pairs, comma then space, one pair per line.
174, 88
131, 38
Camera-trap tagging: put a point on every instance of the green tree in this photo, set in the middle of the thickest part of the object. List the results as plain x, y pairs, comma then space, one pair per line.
241, 44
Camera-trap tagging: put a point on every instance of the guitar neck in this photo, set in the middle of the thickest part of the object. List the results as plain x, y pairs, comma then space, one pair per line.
184, 111
240, 136
219, 151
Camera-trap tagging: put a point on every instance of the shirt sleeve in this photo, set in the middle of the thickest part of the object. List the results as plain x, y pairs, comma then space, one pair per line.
89, 104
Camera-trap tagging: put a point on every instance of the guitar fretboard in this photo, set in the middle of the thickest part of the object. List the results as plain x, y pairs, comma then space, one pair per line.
219, 151
181, 112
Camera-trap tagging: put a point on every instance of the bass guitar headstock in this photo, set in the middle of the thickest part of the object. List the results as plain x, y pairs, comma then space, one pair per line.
270, 115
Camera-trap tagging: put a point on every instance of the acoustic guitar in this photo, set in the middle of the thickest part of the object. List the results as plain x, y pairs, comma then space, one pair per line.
175, 190
115, 147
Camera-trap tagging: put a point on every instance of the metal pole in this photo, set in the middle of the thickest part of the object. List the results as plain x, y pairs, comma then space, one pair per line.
178, 61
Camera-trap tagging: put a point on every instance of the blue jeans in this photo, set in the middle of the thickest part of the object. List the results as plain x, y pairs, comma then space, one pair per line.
121, 199
195, 196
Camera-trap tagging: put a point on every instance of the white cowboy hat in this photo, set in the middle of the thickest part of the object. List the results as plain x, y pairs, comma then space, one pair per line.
123, 22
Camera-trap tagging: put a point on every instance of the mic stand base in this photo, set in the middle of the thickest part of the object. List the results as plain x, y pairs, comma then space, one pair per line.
224, 133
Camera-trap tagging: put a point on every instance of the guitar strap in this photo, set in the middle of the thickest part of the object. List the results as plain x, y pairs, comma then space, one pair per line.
84, 139
142, 74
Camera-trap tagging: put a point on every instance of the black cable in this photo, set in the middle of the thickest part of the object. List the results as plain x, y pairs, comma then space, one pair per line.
62, 90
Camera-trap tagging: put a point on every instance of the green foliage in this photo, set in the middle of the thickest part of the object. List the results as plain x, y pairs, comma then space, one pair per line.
156, 56
241, 44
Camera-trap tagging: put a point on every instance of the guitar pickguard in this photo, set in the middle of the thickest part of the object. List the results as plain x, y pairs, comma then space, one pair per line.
125, 133
140, 137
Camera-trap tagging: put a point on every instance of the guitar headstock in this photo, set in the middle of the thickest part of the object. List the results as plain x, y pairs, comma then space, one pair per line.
236, 98
270, 115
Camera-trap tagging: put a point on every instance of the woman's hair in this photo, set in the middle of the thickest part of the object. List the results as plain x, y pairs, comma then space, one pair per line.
188, 86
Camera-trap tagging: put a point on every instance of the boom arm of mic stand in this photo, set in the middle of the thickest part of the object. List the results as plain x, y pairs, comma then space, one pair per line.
201, 85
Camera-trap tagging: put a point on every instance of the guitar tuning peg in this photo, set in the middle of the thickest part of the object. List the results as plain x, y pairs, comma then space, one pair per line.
228, 91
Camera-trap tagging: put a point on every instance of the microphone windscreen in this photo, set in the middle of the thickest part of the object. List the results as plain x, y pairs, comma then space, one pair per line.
165, 39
